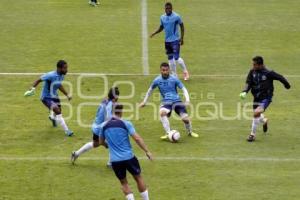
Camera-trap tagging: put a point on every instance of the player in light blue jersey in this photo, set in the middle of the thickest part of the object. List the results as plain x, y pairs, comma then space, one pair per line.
167, 85
104, 113
49, 96
170, 22
115, 133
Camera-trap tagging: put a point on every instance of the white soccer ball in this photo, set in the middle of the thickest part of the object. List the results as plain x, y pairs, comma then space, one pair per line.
174, 136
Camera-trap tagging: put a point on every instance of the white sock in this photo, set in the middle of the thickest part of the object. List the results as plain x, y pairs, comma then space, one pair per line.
62, 122
255, 124
88, 146
165, 122
172, 64
182, 64
145, 195
130, 196
188, 127
52, 115
262, 118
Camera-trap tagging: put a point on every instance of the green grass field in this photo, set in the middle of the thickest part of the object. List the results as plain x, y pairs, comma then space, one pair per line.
221, 38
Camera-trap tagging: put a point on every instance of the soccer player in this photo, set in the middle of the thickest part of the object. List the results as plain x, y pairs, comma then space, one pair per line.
49, 97
104, 112
115, 132
170, 22
168, 85
260, 81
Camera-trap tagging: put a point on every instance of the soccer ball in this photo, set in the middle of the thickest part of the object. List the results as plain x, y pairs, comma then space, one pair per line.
173, 136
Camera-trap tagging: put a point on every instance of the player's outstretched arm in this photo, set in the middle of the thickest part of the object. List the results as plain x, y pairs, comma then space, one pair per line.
140, 142
157, 31
280, 78
247, 87
186, 96
62, 89
148, 94
31, 91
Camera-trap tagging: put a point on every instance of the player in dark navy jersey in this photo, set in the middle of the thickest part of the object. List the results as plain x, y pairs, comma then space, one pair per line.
260, 82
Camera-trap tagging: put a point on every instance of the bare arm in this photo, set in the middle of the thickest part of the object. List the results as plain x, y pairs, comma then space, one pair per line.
160, 28
181, 33
62, 89
36, 83
140, 142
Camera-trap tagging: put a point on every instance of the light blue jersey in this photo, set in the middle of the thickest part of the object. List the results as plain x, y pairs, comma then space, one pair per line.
52, 81
104, 112
116, 133
168, 88
170, 25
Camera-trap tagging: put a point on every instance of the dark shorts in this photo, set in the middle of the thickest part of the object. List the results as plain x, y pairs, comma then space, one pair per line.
173, 49
178, 107
262, 103
51, 102
121, 167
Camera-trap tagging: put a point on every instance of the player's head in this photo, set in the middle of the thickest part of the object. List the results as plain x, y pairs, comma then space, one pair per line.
258, 62
113, 94
165, 70
62, 67
168, 8
118, 109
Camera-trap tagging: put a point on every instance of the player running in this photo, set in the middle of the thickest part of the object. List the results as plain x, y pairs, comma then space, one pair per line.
168, 85
104, 112
170, 22
260, 81
115, 132
49, 97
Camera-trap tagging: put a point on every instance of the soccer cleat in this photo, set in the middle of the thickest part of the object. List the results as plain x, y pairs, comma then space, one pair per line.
92, 3
265, 126
97, 3
192, 134
251, 138
73, 157
164, 137
69, 133
186, 75
53, 122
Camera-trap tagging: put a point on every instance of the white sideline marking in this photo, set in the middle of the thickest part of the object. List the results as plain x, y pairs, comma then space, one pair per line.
145, 58
168, 158
124, 74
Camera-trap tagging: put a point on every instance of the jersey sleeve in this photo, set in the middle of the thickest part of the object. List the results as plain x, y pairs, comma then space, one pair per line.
130, 127
100, 131
154, 84
46, 77
179, 20
179, 84
161, 22
249, 82
109, 108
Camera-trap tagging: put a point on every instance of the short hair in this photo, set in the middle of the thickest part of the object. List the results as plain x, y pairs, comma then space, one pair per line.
164, 64
113, 93
168, 4
117, 108
61, 63
258, 60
